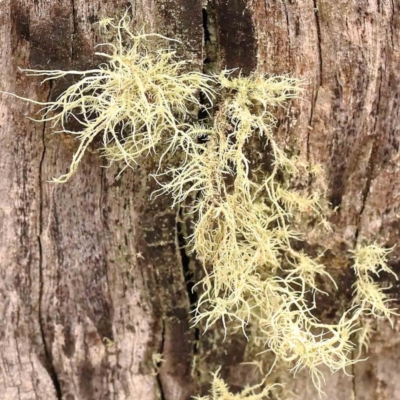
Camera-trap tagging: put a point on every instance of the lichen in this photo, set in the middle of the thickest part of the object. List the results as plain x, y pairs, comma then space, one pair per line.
133, 101
143, 102
220, 391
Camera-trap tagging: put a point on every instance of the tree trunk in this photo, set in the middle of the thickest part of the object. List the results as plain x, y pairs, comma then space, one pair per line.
93, 278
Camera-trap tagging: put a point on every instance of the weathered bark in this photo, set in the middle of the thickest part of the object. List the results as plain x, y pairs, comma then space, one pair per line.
93, 282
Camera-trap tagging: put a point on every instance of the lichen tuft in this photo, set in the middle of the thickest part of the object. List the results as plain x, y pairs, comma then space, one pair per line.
142, 102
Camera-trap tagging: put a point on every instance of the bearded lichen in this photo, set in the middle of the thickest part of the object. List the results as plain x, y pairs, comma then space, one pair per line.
143, 102
220, 391
133, 101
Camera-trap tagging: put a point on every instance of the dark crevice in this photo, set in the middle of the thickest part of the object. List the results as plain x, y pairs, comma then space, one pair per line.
188, 273
210, 63
210, 41
104, 224
365, 193
186, 261
319, 37
207, 35
316, 90
309, 129
203, 114
371, 161
161, 351
207, 39
49, 360
310, 121
132, 9
74, 30
378, 103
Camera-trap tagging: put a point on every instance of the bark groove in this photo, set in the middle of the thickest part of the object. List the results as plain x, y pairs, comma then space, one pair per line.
93, 277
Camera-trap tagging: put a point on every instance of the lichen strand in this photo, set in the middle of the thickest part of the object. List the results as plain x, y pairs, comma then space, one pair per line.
142, 102
133, 101
244, 232
220, 391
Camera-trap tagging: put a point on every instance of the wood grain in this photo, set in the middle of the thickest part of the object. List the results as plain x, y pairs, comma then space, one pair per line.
92, 278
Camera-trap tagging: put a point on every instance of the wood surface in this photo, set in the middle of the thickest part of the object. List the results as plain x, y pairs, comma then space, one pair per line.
93, 280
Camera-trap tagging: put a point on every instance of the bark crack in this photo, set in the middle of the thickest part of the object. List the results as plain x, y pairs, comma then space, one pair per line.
288, 30
318, 85
378, 100
310, 122
104, 226
161, 351
33, 385
367, 187
319, 39
48, 357
210, 39
353, 381
391, 24
74, 29
188, 272
371, 161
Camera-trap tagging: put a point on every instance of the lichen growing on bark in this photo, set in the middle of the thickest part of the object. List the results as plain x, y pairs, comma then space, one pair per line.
142, 102
220, 391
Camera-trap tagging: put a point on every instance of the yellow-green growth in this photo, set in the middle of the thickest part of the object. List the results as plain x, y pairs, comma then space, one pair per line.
143, 101
244, 231
220, 391
157, 361
368, 261
138, 98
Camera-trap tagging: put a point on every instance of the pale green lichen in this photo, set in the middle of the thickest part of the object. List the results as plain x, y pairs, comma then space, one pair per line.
139, 97
143, 102
157, 362
220, 391
368, 294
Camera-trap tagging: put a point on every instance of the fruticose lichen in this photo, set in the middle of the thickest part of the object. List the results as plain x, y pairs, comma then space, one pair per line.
220, 391
142, 102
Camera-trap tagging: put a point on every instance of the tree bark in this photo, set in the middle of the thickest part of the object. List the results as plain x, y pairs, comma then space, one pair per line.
93, 278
